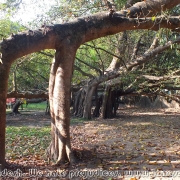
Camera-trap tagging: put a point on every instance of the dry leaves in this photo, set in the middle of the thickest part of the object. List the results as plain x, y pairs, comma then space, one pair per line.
132, 142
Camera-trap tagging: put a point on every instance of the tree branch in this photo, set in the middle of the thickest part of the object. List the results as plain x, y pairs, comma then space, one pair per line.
27, 95
150, 8
93, 67
82, 72
149, 54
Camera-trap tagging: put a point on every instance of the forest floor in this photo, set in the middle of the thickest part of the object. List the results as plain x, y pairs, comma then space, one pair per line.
138, 144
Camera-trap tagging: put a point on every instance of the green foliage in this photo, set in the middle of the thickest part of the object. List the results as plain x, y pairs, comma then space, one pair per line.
8, 27
96, 54
32, 71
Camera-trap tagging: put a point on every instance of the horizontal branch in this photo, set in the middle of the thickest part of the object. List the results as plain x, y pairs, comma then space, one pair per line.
82, 72
89, 65
77, 32
150, 8
27, 95
159, 78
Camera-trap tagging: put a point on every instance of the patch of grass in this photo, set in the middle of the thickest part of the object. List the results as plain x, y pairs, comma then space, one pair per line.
26, 141
35, 106
31, 107
27, 131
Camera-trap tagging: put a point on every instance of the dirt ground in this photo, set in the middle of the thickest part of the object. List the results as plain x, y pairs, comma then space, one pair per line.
137, 141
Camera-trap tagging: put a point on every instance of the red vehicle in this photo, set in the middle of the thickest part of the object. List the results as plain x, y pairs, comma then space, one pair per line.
10, 102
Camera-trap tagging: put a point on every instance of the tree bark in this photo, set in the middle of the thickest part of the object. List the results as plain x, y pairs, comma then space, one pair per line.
120, 52
15, 109
79, 102
59, 96
27, 95
4, 73
149, 8
109, 103
88, 102
105, 99
96, 112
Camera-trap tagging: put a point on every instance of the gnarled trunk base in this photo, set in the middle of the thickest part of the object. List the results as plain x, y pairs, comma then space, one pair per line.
60, 149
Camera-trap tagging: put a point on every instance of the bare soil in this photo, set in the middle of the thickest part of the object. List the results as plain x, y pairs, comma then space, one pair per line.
137, 140
29, 118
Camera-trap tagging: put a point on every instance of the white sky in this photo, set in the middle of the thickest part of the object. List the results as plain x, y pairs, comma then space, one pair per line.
30, 9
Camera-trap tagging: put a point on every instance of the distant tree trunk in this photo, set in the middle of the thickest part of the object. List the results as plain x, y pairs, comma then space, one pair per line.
110, 103
105, 99
79, 102
83, 102
16, 106
96, 112
88, 102
59, 97
109, 113
4, 74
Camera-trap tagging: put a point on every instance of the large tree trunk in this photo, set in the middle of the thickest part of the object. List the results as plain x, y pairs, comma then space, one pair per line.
4, 70
59, 96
